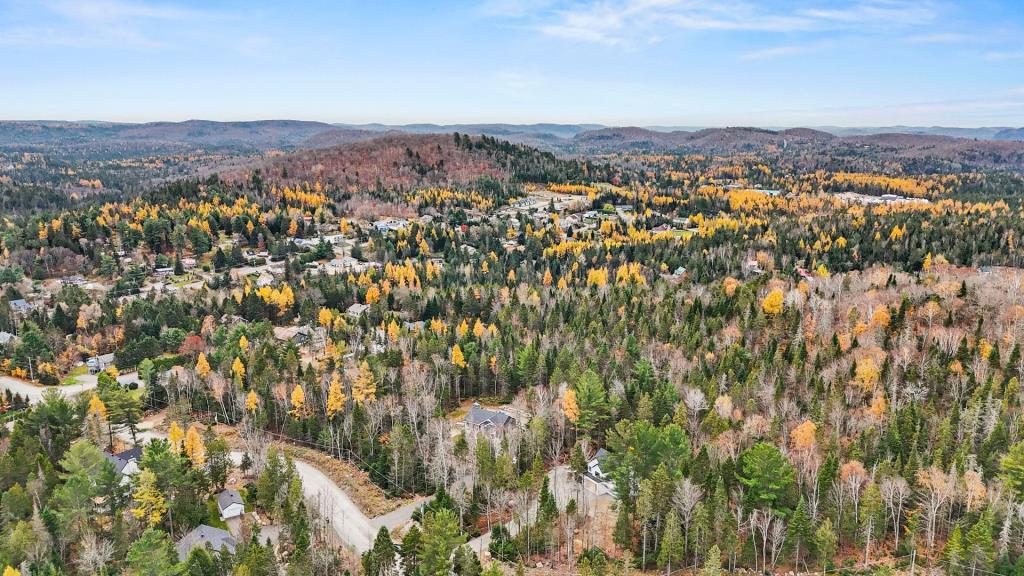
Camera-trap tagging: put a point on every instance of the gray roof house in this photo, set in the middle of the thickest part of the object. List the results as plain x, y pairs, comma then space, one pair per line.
490, 422
7, 338
596, 480
202, 536
21, 306
123, 461
230, 504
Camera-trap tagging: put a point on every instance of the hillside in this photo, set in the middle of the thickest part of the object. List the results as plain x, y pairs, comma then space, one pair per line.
939, 152
403, 161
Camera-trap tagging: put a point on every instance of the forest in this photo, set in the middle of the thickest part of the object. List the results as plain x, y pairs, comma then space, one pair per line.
623, 363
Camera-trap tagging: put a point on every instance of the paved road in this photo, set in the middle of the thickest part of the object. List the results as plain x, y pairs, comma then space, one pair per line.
34, 393
353, 528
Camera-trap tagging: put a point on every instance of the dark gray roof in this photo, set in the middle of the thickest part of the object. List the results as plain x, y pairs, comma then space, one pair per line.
204, 535
479, 416
131, 454
118, 462
121, 459
227, 498
21, 305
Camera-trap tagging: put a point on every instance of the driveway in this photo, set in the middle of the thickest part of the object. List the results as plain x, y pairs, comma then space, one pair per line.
34, 392
350, 525
562, 487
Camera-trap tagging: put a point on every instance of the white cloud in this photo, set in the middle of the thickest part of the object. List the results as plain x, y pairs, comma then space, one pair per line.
635, 22
941, 38
118, 23
778, 51
1003, 56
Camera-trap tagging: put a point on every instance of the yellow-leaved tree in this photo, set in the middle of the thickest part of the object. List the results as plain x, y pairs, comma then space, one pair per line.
570, 406
335, 397
298, 401
150, 504
175, 435
804, 436
867, 373
11, 571
252, 401
372, 295
772, 303
238, 369
326, 317
243, 343
364, 389
458, 360
194, 447
97, 408
202, 366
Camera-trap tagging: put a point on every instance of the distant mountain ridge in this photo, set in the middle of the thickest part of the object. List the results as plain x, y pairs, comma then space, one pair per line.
293, 134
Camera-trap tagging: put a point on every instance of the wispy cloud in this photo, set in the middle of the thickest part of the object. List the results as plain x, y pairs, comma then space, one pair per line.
780, 51
942, 38
121, 23
1005, 55
635, 22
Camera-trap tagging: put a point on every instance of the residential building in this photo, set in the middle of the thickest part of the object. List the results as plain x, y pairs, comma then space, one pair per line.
230, 504
493, 423
205, 536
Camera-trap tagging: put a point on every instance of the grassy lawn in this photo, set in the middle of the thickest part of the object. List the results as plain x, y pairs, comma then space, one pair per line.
72, 377
213, 515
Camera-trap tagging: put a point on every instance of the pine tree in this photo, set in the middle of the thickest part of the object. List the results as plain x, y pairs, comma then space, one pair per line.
953, 554
800, 532
712, 562
672, 544
410, 550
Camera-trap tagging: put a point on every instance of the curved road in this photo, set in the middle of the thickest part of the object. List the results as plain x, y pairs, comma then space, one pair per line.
34, 393
352, 528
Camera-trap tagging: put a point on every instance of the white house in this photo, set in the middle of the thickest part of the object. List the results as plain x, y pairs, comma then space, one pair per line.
596, 481
126, 463
230, 504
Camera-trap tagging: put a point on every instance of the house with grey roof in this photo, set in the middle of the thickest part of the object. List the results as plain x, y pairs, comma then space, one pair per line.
205, 536
493, 423
596, 480
356, 310
6, 338
230, 504
21, 306
126, 463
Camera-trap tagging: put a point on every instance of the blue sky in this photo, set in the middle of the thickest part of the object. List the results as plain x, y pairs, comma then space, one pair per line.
620, 62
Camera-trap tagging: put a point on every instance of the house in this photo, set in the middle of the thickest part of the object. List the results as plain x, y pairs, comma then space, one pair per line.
596, 480
164, 271
203, 536
390, 225
126, 463
6, 338
494, 423
76, 280
188, 263
230, 504
300, 335
264, 280
99, 363
356, 310
21, 306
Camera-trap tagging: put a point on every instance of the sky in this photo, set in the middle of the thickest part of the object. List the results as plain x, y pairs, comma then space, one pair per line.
613, 62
